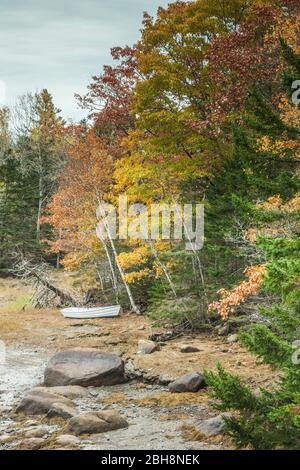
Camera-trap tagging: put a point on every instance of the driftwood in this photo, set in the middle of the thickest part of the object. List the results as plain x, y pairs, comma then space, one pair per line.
46, 294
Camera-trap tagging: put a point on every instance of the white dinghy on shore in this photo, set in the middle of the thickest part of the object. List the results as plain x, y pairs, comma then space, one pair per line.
90, 313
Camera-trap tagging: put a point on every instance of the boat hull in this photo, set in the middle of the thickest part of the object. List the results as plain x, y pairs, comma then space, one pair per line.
90, 313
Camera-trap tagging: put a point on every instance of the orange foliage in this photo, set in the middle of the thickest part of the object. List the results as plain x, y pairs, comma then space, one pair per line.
238, 295
85, 182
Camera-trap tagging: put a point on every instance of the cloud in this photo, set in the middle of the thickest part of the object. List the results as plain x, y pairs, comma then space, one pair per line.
60, 44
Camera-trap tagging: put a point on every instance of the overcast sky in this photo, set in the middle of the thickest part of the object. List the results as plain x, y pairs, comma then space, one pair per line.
60, 44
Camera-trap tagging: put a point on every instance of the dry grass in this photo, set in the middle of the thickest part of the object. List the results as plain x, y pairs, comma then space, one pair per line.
171, 400
174, 417
121, 336
191, 433
114, 398
10, 324
160, 399
140, 386
18, 304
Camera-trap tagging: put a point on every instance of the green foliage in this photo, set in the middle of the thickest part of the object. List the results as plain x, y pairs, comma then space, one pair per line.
269, 419
30, 161
275, 350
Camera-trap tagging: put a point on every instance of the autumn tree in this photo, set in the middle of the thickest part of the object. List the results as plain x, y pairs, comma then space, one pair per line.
109, 98
269, 419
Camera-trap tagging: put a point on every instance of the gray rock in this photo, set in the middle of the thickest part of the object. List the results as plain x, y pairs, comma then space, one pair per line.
223, 330
164, 379
131, 371
296, 343
32, 444
96, 422
69, 391
67, 440
147, 347
185, 348
232, 338
213, 426
61, 410
187, 383
36, 432
39, 401
85, 367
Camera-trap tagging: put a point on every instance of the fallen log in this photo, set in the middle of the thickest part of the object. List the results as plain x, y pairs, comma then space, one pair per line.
45, 292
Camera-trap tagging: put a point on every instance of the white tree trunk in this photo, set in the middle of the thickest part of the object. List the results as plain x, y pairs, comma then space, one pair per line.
133, 305
163, 267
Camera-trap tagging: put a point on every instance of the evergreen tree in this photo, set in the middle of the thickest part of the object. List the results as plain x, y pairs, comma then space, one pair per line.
270, 419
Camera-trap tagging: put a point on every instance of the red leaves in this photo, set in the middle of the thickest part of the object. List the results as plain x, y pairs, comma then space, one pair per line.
237, 60
109, 99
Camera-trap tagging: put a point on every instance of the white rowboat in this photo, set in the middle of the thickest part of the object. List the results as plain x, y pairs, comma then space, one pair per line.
89, 313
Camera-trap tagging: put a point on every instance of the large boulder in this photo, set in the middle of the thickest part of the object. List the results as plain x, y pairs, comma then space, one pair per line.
187, 383
96, 422
85, 367
40, 401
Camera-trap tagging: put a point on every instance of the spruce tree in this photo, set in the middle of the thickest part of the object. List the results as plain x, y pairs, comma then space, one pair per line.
270, 419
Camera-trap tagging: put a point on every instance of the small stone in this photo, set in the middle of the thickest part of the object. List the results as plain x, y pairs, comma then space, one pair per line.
36, 432
164, 379
147, 347
187, 383
67, 440
131, 372
96, 422
232, 338
186, 348
296, 343
32, 444
213, 426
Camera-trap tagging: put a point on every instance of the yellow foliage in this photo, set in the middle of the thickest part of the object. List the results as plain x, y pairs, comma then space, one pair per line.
290, 115
137, 276
271, 204
134, 258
